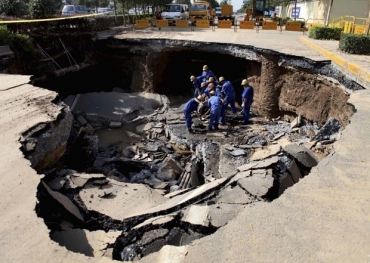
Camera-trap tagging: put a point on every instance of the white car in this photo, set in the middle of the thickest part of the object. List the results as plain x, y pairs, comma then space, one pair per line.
105, 11
138, 11
173, 12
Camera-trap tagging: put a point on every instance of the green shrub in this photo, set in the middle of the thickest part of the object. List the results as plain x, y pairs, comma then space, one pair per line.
355, 44
325, 33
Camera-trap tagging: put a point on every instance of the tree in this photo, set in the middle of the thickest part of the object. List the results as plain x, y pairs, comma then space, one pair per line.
42, 8
15, 8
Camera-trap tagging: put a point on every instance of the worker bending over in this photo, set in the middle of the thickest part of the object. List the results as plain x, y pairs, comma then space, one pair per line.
190, 106
197, 81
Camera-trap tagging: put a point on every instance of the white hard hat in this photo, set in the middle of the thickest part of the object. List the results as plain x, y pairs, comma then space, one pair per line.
205, 67
244, 82
192, 78
212, 93
221, 79
200, 98
203, 84
211, 79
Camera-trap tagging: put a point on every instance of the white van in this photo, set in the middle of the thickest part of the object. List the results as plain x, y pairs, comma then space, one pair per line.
173, 12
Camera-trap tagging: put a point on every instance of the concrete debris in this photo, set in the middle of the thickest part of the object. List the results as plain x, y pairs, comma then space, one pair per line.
258, 164
302, 154
220, 214
296, 122
265, 153
278, 136
197, 215
331, 127
158, 220
64, 201
170, 170
238, 153
115, 124
259, 183
234, 195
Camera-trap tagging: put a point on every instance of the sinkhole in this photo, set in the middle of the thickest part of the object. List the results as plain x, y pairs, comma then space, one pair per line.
118, 159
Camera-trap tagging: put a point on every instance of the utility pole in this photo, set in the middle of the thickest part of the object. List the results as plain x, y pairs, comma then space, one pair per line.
328, 14
295, 10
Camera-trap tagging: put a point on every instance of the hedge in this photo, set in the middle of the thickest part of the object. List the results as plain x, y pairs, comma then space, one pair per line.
355, 44
325, 33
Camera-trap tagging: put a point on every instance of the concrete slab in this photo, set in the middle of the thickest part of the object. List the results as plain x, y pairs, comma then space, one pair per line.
259, 183
197, 215
265, 153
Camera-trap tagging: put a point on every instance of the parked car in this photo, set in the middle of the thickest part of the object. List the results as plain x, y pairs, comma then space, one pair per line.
132, 11
173, 12
69, 10
105, 11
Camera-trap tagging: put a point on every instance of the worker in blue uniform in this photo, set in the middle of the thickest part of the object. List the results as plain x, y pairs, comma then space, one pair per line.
207, 73
247, 100
190, 106
196, 81
228, 94
210, 87
215, 105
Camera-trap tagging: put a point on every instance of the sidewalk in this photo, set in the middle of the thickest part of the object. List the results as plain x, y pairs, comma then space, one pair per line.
357, 66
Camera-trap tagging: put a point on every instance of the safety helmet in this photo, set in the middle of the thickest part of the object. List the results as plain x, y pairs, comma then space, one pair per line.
200, 98
221, 79
211, 85
203, 84
244, 82
192, 78
212, 93
211, 79
205, 67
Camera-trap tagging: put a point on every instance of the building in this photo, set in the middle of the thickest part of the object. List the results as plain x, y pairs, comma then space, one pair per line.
321, 11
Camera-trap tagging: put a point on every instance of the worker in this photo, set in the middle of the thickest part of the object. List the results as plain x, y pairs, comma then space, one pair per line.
210, 87
197, 81
158, 14
203, 87
246, 18
215, 105
228, 94
207, 73
247, 100
190, 106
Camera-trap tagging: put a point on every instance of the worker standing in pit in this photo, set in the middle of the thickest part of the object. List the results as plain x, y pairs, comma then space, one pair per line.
197, 82
207, 73
247, 100
211, 87
228, 94
215, 105
190, 106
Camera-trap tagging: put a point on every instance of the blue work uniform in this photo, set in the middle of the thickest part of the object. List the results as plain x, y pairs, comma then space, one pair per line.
197, 86
190, 106
207, 91
206, 74
215, 105
218, 92
229, 93
248, 95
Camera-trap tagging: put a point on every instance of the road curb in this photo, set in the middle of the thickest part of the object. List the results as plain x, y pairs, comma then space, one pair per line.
358, 73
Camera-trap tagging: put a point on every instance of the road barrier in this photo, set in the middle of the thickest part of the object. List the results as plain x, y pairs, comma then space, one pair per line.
143, 23
203, 23
269, 25
351, 24
161, 23
246, 24
293, 26
360, 26
182, 23
224, 24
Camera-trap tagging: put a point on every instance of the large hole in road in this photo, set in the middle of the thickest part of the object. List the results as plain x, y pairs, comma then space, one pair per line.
122, 176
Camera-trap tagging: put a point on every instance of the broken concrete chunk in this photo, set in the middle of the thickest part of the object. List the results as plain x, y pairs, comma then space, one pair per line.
302, 154
151, 147
278, 136
237, 153
197, 215
81, 120
258, 165
159, 220
234, 195
331, 127
170, 170
258, 184
295, 123
115, 124
64, 201
265, 153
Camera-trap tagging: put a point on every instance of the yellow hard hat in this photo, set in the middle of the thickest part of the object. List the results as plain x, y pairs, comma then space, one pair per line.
205, 67
192, 78
244, 82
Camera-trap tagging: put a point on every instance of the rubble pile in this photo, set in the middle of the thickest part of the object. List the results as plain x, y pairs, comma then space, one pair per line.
167, 186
